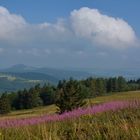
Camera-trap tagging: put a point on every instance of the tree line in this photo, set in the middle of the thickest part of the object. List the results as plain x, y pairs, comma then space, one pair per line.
67, 95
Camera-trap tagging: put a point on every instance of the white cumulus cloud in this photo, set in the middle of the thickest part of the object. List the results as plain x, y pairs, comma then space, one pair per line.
102, 29
84, 24
11, 25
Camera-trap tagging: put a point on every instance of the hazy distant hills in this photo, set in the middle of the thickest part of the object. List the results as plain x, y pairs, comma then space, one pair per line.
127, 73
11, 82
50, 73
22, 76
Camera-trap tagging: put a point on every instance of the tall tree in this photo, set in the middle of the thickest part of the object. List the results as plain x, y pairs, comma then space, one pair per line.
32, 98
47, 94
69, 95
121, 84
100, 86
5, 106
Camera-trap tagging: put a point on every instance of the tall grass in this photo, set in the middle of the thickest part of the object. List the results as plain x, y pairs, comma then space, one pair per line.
110, 106
117, 120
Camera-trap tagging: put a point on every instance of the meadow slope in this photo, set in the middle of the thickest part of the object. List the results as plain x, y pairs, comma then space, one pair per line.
112, 117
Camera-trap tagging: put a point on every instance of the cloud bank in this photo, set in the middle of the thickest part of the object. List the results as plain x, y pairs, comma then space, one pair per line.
101, 29
11, 26
83, 25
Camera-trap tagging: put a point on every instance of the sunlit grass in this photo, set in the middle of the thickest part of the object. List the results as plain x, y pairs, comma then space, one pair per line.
123, 124
52, 108
119, 125
116, 96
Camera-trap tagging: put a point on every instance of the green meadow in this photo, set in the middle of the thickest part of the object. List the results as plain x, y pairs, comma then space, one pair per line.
123, 124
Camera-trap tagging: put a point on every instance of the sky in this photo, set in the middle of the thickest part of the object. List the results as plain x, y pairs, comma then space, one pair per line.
70, 34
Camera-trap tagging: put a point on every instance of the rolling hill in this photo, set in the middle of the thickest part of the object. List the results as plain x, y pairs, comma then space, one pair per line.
22, 76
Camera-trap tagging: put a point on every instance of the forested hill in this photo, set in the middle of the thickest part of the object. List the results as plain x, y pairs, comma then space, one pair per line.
67, 93
57, 73
22, 76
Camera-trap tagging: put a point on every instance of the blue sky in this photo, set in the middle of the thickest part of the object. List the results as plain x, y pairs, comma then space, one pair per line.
49, 10
72, 33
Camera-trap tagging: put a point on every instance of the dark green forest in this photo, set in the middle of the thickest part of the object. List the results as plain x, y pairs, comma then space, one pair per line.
67, 94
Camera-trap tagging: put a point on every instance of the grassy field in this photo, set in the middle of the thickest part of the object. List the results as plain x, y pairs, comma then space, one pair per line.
121, 124
116, 96
52, 108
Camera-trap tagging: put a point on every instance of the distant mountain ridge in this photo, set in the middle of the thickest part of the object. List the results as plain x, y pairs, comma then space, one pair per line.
18, 68
56, 73
22, 76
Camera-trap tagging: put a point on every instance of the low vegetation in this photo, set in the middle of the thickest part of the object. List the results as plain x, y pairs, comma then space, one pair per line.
93, 109
114, 119
67, 95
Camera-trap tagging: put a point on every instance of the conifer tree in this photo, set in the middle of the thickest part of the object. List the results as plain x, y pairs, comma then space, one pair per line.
69, 95
5, 106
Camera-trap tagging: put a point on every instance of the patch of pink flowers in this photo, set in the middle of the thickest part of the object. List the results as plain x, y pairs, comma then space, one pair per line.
109, 106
